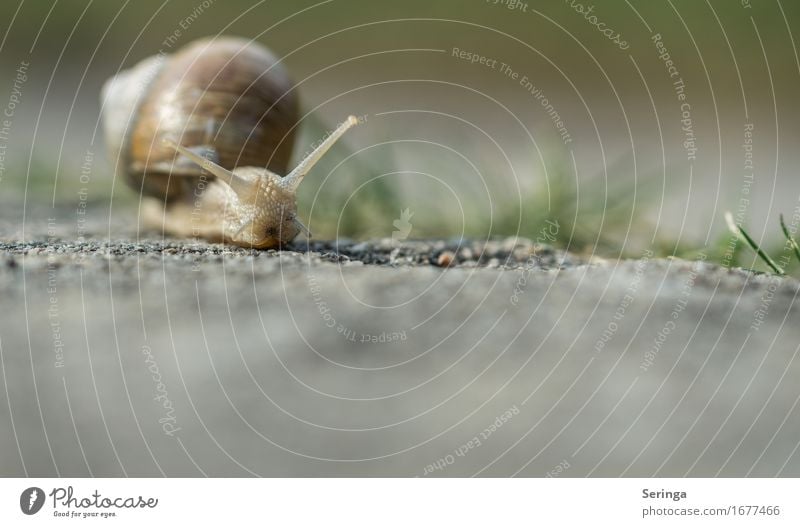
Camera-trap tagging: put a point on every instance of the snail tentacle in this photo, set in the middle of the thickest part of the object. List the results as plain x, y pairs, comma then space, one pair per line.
303, 228
295, 177
237, 183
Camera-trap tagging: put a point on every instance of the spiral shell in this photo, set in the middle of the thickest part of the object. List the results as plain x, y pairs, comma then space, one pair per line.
227, 99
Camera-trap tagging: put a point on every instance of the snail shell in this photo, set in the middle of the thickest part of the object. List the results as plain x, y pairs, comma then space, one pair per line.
204, 134
227, 99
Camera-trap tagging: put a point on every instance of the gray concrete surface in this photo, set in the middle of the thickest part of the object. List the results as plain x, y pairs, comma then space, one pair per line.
150, 357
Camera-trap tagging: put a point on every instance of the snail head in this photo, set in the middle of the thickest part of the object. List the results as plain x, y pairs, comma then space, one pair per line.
262, 211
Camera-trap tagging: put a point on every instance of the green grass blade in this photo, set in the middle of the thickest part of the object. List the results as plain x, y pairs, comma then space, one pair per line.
792, 243
741, 233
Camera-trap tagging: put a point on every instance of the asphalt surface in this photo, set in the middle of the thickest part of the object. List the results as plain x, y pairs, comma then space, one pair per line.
126, 354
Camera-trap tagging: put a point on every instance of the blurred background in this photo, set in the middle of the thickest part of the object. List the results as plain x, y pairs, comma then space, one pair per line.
583, 125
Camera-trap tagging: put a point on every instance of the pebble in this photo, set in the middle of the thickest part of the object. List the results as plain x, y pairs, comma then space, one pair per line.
445, 259
360, 247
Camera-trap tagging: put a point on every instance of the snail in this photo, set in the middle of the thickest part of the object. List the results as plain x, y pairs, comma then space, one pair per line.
204, 134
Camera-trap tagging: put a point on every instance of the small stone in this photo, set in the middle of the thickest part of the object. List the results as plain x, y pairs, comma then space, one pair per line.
445, 259
512, 242
360, 248
521, 254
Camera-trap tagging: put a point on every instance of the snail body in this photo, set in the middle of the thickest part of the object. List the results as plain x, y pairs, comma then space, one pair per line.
204, 135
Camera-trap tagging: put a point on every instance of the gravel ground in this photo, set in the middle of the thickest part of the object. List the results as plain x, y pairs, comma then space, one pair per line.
509, 253
432, 358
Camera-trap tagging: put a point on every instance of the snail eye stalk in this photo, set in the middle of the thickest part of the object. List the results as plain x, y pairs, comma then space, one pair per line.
295, 177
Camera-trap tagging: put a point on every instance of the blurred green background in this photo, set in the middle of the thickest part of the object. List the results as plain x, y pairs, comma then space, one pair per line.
466, 147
